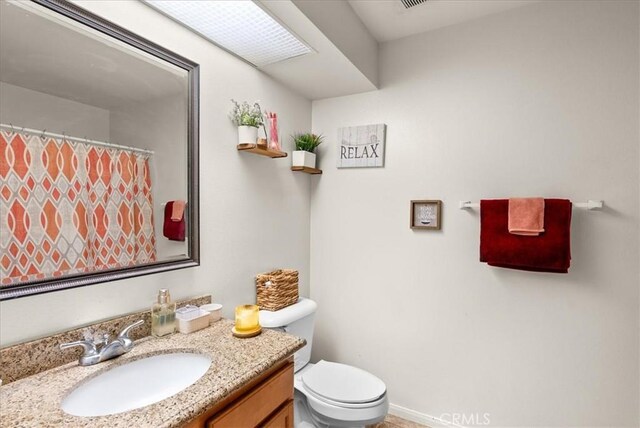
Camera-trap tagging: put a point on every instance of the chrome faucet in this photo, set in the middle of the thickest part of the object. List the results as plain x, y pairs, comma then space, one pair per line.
103, 350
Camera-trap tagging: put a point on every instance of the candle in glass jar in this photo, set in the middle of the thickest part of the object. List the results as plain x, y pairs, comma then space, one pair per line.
247, 318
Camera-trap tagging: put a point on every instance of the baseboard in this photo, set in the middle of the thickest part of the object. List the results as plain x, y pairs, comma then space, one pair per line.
421, 418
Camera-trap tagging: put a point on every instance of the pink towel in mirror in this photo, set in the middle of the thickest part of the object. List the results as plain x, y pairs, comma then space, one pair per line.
177, 211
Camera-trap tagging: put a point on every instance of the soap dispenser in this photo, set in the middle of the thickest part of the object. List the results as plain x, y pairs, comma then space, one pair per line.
163, 315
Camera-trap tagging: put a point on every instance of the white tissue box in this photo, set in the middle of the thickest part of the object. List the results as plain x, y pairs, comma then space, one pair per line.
191, 318
215, 309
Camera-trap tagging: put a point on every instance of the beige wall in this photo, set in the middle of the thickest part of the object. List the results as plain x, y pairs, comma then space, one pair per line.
254, 210
540, 100
23, 107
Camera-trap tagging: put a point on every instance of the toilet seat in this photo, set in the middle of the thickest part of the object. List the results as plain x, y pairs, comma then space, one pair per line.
343, 385
346, 406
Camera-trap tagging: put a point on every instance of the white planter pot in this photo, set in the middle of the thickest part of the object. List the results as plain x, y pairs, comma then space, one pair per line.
302, 158
247, 134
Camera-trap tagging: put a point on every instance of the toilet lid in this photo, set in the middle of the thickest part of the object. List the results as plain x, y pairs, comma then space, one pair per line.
343, 383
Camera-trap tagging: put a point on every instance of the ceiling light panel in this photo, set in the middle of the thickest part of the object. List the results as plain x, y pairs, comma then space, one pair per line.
241, 27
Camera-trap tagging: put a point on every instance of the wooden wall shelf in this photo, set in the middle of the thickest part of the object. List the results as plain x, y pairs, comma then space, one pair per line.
255, 149
306, 169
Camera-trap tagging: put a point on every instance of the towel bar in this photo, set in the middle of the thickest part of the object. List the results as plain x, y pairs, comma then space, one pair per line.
590, 205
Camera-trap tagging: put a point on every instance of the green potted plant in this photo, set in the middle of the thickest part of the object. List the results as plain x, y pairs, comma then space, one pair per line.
248, 118
306, 144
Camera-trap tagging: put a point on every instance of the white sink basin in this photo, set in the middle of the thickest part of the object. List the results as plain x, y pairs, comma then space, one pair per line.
136, 384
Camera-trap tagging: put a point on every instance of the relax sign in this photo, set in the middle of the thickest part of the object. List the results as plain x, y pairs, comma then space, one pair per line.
361, 146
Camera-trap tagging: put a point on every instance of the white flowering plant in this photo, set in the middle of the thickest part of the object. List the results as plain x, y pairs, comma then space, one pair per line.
246, 115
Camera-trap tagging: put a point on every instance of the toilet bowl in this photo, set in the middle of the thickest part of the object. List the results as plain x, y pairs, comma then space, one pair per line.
339, 395
327, 394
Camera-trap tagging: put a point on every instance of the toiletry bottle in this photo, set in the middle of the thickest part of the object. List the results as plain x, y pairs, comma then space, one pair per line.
163, 315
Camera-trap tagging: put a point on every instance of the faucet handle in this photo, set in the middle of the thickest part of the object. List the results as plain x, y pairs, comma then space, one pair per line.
104, 340
124, 334
88, 345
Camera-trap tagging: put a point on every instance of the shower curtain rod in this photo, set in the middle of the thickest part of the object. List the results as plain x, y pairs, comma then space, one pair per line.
80, 140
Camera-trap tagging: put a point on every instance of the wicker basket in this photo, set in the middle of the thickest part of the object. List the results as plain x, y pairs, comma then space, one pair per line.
277, 289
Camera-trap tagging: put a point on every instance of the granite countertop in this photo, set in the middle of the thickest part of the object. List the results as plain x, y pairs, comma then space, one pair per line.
35, 401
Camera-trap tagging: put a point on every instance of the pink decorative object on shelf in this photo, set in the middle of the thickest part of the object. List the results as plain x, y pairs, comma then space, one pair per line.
274, 143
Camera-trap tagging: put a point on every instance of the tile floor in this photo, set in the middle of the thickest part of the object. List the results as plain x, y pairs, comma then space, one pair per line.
395, 422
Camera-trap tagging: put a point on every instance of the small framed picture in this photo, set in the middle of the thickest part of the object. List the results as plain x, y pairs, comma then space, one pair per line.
425, 215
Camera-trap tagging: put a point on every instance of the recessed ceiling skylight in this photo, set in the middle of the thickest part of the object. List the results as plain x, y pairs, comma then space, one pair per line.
241, 27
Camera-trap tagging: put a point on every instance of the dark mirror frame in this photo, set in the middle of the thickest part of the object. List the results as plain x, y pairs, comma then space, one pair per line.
193, 233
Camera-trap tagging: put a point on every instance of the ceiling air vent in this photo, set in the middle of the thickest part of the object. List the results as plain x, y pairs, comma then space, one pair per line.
410, 3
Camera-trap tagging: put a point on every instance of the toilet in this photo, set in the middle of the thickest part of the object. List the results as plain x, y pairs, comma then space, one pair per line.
327, 394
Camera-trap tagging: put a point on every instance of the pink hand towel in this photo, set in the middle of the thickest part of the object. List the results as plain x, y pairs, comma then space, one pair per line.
526, 216
177, 211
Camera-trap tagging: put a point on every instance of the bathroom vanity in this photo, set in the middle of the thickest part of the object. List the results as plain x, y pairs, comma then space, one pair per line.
249, 383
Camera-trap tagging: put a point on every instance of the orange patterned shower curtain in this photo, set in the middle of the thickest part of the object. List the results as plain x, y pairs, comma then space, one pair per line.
68, 207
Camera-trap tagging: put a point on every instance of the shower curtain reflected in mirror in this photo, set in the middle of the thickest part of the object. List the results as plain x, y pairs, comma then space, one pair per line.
69, 207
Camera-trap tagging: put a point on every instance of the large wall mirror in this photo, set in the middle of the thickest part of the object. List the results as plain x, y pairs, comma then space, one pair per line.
98, 151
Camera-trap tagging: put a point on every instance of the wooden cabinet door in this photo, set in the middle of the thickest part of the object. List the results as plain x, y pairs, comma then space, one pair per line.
256, 406
282, 419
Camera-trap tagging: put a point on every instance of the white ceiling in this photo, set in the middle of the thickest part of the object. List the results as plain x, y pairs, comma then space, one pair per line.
60, 58
389, 20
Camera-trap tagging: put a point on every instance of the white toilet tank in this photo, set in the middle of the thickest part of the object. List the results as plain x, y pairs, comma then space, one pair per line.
297, 320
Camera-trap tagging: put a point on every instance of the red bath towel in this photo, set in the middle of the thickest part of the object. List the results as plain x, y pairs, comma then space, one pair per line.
548, 252
173, 230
